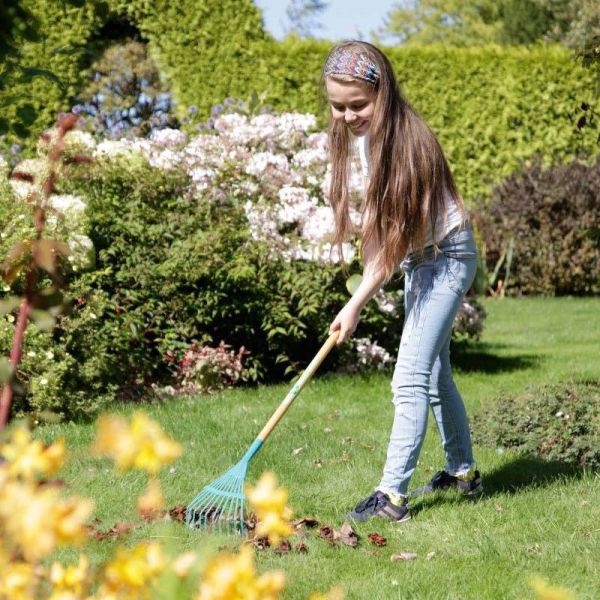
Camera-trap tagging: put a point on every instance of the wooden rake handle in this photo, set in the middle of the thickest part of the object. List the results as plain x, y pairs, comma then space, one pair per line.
304, 378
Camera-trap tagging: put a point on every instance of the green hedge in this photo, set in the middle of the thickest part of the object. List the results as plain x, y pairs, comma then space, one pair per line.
494, 108
208, 47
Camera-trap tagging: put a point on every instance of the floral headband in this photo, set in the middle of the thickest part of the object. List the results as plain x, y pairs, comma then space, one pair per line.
350, 61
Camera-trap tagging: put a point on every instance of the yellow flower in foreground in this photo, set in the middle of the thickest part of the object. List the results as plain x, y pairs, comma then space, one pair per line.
140, 445
68, 518
133, 571
183, 564
335, 593
233, 577
269, 503
36, 520
69, 581
545, 591
17, 581
27, 458
152, 500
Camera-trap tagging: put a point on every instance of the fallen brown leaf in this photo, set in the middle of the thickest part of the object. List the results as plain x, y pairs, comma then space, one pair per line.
498, 508
52, 483
250, 521
342, 459
318, 462
152, 515
301, 547
304, 522
346, 535
284, 547
115, 532
534, 548
326, 533
377, 539
260, 543
177, 513
430, 555
403, 556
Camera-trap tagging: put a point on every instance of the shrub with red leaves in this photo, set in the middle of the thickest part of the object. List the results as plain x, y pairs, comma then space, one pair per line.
204, 369
553, 215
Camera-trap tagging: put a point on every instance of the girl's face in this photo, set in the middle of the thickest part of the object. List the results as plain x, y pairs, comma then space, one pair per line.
353, 102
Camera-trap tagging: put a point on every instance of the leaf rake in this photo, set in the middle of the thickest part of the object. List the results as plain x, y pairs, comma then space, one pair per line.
220, 505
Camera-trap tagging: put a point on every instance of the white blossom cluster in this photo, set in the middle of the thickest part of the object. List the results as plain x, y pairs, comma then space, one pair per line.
371, 354
275, 166
65, 213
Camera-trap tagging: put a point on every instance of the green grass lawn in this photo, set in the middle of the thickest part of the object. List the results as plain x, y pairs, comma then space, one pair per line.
534, 517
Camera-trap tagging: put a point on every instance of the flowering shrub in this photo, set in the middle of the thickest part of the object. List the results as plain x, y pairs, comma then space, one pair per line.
181, 240
371, 354
205, 369
468, 323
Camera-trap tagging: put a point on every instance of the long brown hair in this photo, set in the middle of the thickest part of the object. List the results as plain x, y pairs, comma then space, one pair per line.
409, 174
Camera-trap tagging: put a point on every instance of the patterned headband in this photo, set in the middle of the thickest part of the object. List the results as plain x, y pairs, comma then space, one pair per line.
350, 61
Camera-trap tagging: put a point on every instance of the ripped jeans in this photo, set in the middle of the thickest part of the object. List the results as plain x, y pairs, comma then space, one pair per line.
434, 289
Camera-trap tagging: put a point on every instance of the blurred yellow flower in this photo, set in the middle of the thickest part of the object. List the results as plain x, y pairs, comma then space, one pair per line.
335, 593
37, 519
183, 564
17, 581
68, 518
233, 577
545, 591
140, 445
69, 581
269, 503
133, 571
27, 458
152, 500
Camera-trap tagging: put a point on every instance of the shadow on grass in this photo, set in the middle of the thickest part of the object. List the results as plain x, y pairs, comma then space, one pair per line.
510, 478
484, 358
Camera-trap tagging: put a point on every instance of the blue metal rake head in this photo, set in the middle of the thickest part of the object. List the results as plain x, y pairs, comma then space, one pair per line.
220, 505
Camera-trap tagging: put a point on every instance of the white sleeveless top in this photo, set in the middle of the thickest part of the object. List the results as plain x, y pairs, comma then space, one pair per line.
454, 216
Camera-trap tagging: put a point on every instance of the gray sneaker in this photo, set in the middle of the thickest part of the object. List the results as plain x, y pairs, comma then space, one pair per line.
379, 505
442, 480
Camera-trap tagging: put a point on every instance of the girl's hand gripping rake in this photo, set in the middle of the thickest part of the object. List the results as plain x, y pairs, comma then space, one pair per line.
220, 505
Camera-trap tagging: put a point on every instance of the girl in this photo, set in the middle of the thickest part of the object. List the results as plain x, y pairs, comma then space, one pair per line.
413, 217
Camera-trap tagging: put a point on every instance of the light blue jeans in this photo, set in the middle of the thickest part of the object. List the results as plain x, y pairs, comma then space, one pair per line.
435, 285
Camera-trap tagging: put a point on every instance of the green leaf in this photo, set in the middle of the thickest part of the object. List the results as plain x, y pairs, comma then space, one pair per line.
47, 298
42, 319
3, 126
6, 370
352, 283
8, 304
20, 130
30, 73
27, 113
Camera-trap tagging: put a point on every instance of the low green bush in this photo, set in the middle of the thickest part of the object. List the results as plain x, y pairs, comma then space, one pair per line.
552, 217
558, 422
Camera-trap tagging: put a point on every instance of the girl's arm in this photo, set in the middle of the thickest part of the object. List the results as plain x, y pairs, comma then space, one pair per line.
372, 279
